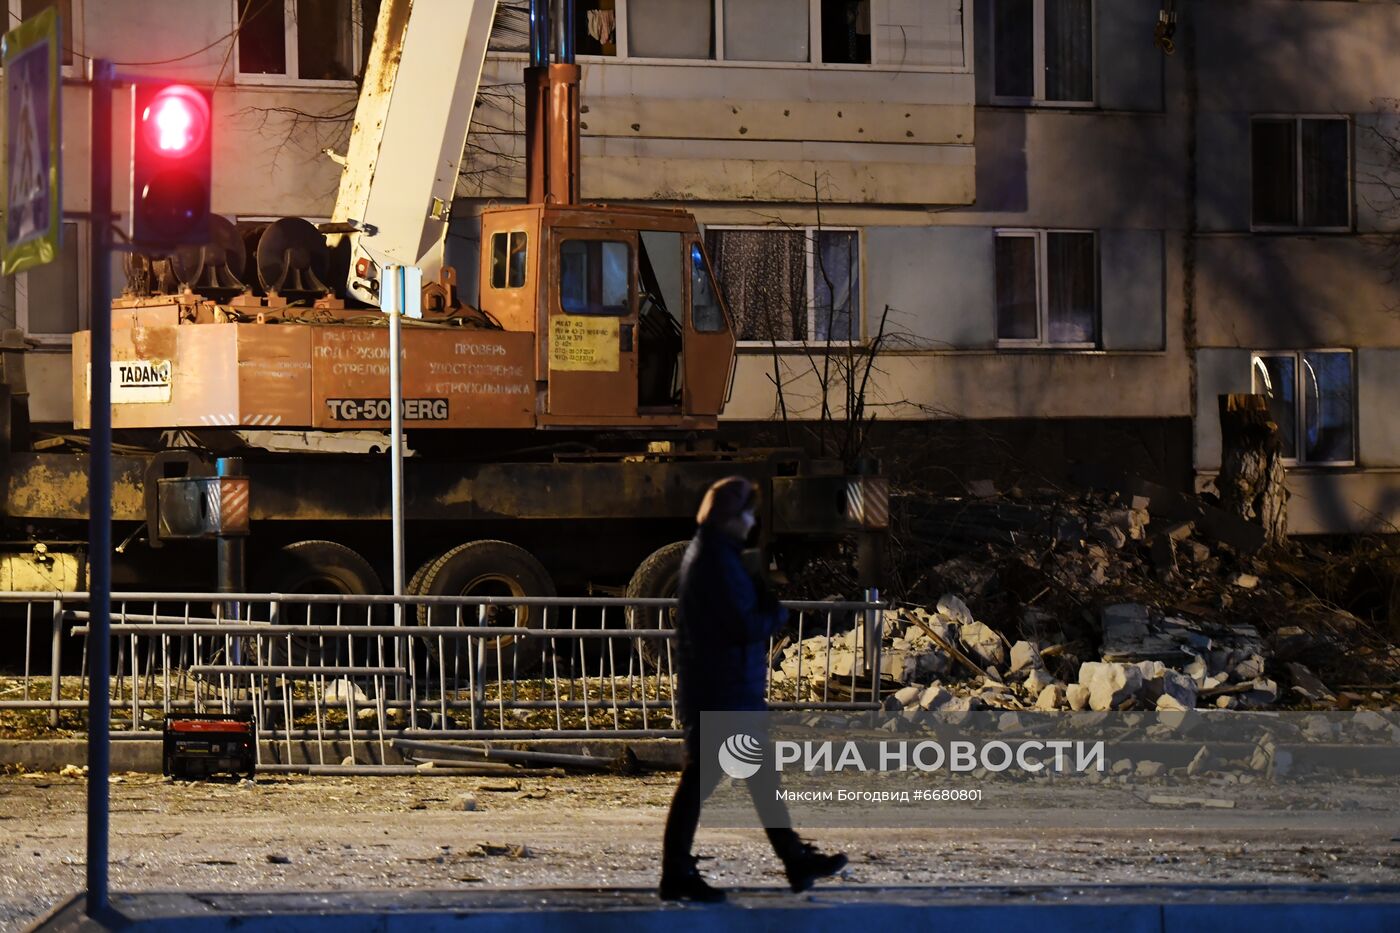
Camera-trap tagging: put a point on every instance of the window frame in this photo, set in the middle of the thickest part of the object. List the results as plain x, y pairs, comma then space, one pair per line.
1042, 291
624, 52
289, 34
81, 243
809, 239
1297, 120
1300, 404
1038, 99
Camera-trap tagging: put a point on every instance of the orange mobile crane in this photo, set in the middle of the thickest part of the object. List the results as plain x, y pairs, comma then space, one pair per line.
562, 427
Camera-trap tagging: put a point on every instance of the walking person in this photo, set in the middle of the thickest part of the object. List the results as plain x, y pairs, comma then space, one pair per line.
723, 625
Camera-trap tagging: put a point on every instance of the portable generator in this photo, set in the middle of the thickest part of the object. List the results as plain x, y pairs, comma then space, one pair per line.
198, 745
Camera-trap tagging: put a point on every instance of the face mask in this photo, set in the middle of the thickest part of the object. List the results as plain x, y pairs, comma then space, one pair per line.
746, 518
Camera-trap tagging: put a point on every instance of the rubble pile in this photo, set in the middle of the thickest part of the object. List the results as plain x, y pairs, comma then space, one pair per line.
1131, 599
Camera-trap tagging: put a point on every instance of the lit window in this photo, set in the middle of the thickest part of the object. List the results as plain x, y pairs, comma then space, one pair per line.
1047, 286
1301, 173
1043, 50
1312, 399
790, 286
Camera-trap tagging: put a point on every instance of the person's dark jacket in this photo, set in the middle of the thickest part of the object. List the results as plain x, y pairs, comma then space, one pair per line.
722, 627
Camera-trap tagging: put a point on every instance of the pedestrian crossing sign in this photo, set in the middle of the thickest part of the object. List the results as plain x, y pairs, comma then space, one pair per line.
32, 88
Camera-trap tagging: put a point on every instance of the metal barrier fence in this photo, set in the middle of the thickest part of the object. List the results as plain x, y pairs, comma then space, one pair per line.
331, 673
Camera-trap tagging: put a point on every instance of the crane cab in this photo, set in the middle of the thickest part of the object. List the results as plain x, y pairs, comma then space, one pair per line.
630, 328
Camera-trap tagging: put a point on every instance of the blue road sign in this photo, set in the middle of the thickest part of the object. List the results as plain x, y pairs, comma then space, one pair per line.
30, 56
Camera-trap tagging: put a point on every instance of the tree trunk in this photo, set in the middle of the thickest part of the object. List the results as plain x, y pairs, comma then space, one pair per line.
1251, 468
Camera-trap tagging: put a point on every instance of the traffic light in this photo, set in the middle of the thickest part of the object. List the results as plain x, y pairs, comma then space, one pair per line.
171, 146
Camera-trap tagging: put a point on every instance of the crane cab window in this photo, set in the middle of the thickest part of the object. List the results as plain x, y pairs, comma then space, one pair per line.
508, 252
705, 312
594, 277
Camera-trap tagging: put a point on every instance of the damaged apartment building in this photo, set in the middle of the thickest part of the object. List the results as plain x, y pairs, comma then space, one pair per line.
1070, 225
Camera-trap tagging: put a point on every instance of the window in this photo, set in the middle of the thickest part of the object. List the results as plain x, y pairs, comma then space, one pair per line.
790, 286
24, 9
304, 40
1301, 172
1312, 398
1043, 50
890, 33
50, 299
595, 27
846, 32
671, 28
508, 255
595, 277
1047, 288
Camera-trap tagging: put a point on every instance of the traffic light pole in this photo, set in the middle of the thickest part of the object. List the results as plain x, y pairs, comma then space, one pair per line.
100, 493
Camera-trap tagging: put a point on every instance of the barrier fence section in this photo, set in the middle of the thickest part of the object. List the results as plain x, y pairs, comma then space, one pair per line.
331, 678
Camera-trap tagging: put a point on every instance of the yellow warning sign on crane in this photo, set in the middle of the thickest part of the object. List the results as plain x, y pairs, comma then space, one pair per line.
584, 344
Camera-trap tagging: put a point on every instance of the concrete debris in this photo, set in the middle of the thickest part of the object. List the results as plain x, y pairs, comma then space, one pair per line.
1037, 681
1051, 698
1245, 581
1111, 686
1307, 685
954, 610
337, 691
982, 643
1077, 696
1024, 656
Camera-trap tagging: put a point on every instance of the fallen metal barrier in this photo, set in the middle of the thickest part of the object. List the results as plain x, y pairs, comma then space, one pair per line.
333, 679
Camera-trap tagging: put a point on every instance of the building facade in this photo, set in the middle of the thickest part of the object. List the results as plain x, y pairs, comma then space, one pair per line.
1065, 242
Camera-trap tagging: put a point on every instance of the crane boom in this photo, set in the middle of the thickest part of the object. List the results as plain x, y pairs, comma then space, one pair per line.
409, 135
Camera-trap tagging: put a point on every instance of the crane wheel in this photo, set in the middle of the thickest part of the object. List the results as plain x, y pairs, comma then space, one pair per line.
486, 568
657, 577
308, 567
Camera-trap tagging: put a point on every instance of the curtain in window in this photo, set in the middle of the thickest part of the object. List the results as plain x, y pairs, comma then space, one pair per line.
1325, 190
1069, 50
763, 276
836, 278
1013, 37
766, 30
1073, 287
671, 28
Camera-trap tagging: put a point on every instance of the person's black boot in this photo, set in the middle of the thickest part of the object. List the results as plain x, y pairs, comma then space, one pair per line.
806, 865
684, 883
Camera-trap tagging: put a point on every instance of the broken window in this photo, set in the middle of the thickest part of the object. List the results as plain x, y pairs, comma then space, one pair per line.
1047, 290
595, 276
671, 29
766, 30
846, 32
49, 298
28, 8
1300, 171
308, 40
595, 27
1312, 399
508, 253
1043, 50
789, 286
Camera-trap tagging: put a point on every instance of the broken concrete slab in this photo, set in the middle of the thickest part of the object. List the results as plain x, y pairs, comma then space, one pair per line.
1111, 686
984, 644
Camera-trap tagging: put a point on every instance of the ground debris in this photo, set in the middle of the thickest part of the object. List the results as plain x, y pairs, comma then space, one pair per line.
1030, 587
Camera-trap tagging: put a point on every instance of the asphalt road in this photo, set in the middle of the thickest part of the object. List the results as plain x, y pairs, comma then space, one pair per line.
296, 833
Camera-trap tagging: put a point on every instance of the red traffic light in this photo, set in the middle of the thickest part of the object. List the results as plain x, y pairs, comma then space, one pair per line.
171, 160
175, 121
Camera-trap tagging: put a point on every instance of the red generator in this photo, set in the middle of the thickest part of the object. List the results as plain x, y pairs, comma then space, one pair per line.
199, 745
